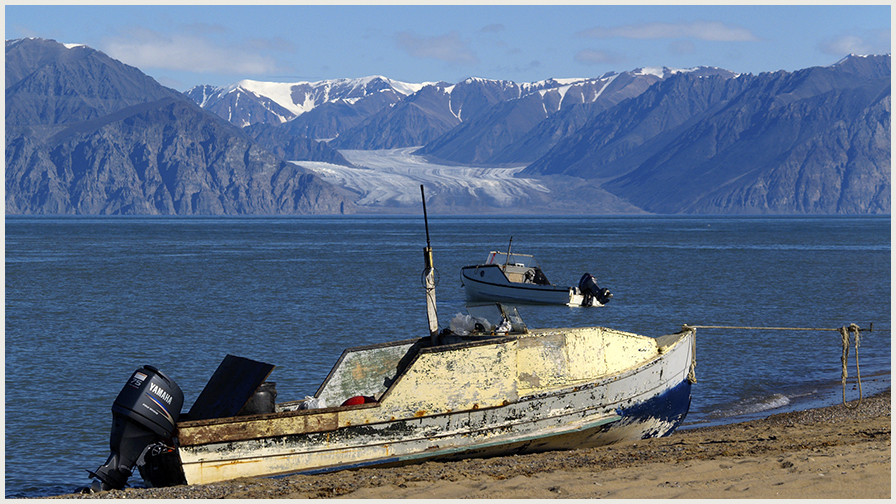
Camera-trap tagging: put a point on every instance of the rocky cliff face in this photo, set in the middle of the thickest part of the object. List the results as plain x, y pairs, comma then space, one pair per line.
808, 142
141, 161
88, 135
507, 131
284, 144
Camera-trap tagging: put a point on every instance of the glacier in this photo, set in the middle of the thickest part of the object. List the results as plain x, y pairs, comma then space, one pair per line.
391, 178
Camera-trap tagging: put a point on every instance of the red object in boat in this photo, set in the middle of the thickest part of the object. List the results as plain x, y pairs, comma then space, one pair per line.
351, 401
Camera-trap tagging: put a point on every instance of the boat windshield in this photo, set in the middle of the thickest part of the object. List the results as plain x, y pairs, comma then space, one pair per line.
500, 258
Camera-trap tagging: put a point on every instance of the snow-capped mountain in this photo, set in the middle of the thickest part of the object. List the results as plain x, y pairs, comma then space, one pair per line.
473, 121
86, 134
250, 102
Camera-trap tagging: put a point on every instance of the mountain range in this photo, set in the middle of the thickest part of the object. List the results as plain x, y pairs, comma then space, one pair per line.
87, 134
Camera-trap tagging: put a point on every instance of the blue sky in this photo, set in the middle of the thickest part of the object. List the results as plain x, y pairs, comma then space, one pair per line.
182, 46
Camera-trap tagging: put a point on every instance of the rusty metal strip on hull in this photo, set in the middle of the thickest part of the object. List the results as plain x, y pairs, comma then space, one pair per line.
263, 426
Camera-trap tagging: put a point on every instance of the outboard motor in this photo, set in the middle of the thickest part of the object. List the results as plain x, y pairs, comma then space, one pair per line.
591, 291
145, 411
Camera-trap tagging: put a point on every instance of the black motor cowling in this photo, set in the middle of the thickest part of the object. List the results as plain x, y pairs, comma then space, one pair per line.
145, 412
593, 292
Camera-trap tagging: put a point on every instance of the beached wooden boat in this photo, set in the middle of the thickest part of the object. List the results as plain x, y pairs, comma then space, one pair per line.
514, 277
478, 395
544, 389
501, 388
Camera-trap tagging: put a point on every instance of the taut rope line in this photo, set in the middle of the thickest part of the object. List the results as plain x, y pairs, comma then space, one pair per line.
844, 338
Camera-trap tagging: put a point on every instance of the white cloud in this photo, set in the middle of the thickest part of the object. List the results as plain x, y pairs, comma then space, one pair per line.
448, 47
873, 43
712, 31
180, 51
848, 44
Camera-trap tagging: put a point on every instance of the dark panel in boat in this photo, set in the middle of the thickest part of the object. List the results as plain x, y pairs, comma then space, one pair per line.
228, 390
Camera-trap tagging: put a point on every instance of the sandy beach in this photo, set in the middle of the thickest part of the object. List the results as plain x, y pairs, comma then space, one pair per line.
833, 452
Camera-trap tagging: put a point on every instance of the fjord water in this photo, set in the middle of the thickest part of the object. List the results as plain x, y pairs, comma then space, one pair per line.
89, 300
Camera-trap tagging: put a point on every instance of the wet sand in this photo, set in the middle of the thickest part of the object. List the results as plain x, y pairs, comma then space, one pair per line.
833, 452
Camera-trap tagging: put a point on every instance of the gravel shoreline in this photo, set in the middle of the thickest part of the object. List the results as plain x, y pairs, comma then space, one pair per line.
788, 443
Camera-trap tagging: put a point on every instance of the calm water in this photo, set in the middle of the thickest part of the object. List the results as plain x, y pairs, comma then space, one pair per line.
88, 300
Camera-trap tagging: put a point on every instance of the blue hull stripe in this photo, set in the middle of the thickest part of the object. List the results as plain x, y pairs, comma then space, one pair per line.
670, 407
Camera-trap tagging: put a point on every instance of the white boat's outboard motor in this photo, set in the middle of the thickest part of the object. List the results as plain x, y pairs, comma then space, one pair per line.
145, 411
592, 292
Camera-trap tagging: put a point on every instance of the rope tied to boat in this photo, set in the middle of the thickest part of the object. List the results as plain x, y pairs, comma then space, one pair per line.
692, 369
844, 360
844, 331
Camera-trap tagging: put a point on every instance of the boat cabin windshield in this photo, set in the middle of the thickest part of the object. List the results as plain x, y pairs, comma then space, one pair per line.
501, 258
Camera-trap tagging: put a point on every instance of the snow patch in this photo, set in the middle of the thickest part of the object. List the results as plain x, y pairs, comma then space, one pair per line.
655, 71
407, 88
320, 92
607, 83
847, 58
664, 71
564, 82
279, 92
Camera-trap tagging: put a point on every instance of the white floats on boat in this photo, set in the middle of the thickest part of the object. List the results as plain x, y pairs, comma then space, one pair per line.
513, 277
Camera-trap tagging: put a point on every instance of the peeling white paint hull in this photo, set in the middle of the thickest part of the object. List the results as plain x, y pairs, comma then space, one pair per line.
550, 390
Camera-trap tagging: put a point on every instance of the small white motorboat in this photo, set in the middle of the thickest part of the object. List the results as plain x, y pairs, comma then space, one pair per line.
513, 277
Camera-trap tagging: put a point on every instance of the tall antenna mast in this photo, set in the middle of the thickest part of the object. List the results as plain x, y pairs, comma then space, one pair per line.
507, 257
429, 281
